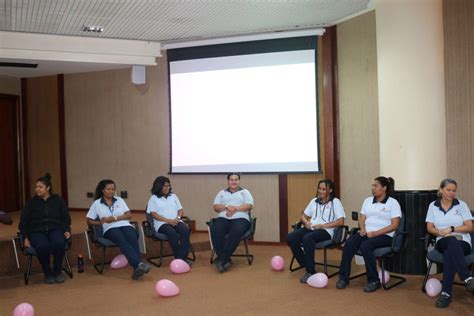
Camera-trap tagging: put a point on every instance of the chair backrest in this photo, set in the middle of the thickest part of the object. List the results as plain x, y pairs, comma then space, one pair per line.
400, 236
340, 234
97, 231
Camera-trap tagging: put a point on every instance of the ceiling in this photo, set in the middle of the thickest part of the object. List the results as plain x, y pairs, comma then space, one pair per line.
171, 20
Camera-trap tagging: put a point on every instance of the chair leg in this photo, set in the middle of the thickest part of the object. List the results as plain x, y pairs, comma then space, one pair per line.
249, 256
423, 287
68, 268
26, 276
326, 265
392, 276
193, 254
152, 260
211, 260
96, 265
291, 265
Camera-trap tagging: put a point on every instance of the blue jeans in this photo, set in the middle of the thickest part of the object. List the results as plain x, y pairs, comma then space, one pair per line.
367, 246
453, 251
127, 240
178, 238
308, 238
234, 229
45, 244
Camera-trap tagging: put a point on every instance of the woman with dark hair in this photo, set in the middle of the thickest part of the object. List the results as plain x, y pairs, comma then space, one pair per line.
450, 220
113, 214
321, 216
233, 205
166, 210
378, 220
45, 225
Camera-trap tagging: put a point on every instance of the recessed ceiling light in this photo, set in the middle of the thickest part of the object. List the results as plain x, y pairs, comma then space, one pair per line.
92, 28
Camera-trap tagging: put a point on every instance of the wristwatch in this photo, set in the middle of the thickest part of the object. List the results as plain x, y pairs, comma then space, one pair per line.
452, 229
115, 218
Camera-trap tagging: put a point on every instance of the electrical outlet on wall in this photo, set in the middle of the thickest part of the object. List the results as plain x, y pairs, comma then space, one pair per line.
90, 195
123, 194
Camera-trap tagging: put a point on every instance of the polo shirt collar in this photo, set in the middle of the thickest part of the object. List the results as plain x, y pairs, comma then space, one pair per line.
383, 201
238, 189
438, 204
102, 201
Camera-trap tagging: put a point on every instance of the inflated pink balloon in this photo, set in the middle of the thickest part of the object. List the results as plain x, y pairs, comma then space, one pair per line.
387, 276
166, 288
120, 261
318, 280
24, 309
433, 287
278, 263
179, 266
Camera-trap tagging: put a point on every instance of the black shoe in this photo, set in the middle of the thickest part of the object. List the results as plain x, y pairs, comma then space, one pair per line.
470, 285
138, 272
305, 277
227, 265
145, 267
49, 279
341, 284
372, 287
220, 267
443, 300
189, 262
59, 278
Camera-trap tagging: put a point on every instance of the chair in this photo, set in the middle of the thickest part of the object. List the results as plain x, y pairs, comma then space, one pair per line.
340, 234
150, 232
437, 257
30, 252
399, 242
96, 234
245, 238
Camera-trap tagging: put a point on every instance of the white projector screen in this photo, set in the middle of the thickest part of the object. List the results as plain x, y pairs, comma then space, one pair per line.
247, 113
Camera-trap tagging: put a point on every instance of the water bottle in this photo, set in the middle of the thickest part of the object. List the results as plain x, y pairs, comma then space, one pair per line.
80, 263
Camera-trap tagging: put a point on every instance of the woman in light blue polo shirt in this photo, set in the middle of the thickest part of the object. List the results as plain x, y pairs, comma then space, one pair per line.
321, 216
450, 220
378, 220
167, 211
113, 214
233, 205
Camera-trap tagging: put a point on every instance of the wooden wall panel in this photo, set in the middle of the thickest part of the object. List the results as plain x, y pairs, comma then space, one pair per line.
459, 81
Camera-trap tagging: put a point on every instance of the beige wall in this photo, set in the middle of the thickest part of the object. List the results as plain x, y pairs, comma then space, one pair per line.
43, 130
459, 68
358, 109
10, 85
117, 130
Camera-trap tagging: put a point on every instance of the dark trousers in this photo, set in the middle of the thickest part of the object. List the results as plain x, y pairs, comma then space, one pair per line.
453, 251
308, 238
234, 229
127, 240
45, 244
367, 246
178, 238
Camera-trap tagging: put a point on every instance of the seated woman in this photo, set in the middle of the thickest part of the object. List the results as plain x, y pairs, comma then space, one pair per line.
232, 205
113, 214
167, 211
451, 221
321, 216
45, 225
378, 220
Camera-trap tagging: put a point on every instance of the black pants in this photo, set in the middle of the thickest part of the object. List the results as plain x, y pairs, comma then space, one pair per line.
178, 238
234, 229
45, 244
453, 251
127, 240
367, 246
308, 238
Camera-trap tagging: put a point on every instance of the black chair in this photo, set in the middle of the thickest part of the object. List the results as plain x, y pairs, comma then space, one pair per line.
150, 232
434, 256
96, 234
399, 242
340, 234
245, 238
30, 252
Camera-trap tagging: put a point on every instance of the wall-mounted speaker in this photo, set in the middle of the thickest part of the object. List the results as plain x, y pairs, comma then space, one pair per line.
138, 75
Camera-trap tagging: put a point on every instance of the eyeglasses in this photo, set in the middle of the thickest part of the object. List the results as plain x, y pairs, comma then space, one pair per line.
167, 186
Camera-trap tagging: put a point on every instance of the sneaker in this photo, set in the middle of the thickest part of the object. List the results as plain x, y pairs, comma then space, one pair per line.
470, 285
227, 265
372, 287
305, 277
138, 272
219, 266
443, 300
341, 284
145, 266
59, 278
49, 279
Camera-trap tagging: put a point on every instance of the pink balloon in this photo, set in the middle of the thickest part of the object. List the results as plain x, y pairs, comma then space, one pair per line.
24, 309
318, 280
387, 276
179, 266
166, 288
433, 287
278, 263
120, 261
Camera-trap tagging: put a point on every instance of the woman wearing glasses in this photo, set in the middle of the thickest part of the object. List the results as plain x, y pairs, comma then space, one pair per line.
321, 216
166, 210
113, 214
